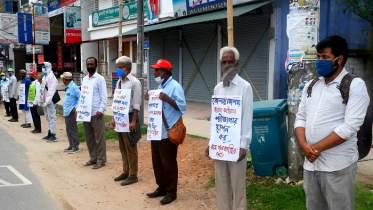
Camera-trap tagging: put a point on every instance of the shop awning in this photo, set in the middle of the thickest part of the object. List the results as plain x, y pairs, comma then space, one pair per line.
221, 14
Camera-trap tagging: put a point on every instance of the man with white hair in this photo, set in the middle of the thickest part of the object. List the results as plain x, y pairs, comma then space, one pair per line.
48, 89
128, 140
231, 176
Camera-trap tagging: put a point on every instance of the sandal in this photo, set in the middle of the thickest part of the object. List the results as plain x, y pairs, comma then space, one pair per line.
89, 163
98, 165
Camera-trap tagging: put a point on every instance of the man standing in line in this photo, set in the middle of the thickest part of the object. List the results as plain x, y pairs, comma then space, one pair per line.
94, 130
25, 109
164, 153
48, 89
69, 108
4, 85
326, 130
34, 110
128, 140
13, 94
230, 177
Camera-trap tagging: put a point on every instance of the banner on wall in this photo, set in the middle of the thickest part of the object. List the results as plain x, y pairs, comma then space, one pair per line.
38, 49
56, 7
59, 57
24, 28
72, 24
41, 24
8, 28
152, 11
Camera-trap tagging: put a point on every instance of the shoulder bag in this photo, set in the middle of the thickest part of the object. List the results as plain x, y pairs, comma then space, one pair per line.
177, 133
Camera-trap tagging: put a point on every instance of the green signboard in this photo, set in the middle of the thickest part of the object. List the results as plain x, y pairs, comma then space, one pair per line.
111, 15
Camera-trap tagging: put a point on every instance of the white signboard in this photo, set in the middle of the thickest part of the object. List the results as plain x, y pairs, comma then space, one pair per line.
42, 37
154, 115
9, 28
22, 94
85, 104
120, 107
4, 91
225, 127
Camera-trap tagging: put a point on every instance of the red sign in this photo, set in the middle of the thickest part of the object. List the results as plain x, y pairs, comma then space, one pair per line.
73, 35
41, 23
40, 58
67, 2
59, 57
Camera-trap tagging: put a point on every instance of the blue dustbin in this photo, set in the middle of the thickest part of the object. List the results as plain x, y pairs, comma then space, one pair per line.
269, 138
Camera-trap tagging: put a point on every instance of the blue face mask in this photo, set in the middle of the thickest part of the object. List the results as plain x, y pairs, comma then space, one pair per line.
2, 77
10, 74
43, 70
325, 68
120, 72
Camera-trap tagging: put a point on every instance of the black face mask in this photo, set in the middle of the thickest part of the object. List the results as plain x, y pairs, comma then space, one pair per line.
22, 77
91, 70
32, 79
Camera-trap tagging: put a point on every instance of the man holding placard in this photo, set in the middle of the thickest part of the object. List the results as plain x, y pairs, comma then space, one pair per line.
33, 101
4, 93
24, 87
91, 108
126, 122
13, 94
230, 135
164, 152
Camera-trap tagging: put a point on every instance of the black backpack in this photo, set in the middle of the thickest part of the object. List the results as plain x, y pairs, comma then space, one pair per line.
364, 135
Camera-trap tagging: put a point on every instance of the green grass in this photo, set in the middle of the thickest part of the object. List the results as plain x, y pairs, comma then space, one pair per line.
196, 136
263, 194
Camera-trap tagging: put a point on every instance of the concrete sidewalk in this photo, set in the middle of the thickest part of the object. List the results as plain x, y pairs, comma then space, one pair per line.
196, 118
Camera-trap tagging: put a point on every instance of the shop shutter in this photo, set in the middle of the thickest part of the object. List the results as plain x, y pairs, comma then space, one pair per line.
197, 37
171, 50
247, 31
155, 52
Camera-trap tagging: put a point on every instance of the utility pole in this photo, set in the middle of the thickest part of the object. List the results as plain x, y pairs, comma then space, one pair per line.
33, 38
230, 23
140, 53
120, 28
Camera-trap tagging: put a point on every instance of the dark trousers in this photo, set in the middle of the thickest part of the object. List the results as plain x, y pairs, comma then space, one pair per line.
164, 155
13, 108
7, 108
72, 130
35, 118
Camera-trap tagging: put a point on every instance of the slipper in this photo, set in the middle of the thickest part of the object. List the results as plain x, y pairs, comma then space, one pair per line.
89, 163
22, 125
98, 165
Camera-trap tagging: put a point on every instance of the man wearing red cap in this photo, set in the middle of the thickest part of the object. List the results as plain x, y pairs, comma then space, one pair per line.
35, 91
164, 153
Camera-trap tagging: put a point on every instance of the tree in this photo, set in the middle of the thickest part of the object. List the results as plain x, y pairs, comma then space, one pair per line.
363, 9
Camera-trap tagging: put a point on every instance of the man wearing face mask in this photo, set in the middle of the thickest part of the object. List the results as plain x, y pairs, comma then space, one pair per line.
69, 108
94, 130
164, 153
25, 81
13, 94
230, 177
33, 106
47, 91
326, 130
128, 140
4, 93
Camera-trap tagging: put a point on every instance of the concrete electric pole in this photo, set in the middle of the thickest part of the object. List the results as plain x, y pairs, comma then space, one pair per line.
140, 54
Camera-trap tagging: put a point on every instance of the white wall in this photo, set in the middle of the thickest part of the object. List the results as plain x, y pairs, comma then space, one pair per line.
85, 19
113, 53
87, 50
271, 56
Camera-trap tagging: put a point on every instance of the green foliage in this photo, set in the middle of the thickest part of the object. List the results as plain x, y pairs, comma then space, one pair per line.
109, 134
361, 8
144, 130
196, 137
210, 183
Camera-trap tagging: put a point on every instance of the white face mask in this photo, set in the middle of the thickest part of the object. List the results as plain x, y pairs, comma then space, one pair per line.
159, 79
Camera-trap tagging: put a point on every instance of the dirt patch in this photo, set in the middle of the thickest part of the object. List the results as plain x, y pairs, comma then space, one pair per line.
77, 187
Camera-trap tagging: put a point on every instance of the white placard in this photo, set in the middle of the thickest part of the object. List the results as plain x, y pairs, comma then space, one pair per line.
155, 115
120, 108
84, 109
4, 92
42, 88
225, 131
22, 94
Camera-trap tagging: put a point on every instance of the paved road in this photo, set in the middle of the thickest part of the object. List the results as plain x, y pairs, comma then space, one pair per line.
19, 187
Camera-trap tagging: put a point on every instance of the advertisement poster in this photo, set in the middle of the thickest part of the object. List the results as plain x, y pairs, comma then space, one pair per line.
59, 57
225, 133
155, 116
302, 30
24, 28
41, 24
9, 29
56, 7
152, 11
40, 58
73, 24
120, 108
38, 49
85, 104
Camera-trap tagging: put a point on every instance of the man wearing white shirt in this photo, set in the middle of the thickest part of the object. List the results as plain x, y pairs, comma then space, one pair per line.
94, 130
230, 177
326, 130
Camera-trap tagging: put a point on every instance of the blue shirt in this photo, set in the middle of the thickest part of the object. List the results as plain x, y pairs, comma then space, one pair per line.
71, 98
174, 90
27, 83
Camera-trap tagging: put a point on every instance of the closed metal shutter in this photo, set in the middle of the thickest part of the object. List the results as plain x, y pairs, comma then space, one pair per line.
171, 50
249, 30
197, 38
155, 52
